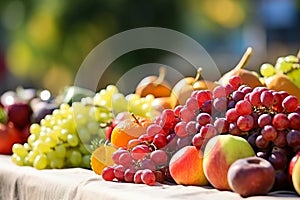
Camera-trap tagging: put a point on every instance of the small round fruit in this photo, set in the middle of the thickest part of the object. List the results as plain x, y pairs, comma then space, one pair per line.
251, 176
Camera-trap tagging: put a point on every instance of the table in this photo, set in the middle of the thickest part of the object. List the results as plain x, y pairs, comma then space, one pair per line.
28, 183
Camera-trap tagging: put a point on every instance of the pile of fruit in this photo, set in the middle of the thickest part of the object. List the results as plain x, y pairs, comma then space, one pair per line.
228, 134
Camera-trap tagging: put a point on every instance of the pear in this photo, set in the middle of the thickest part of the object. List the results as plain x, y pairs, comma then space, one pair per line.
155, 85
248, 77
281, 82
183, 89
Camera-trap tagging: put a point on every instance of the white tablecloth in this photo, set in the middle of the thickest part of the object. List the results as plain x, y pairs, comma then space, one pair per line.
27, 183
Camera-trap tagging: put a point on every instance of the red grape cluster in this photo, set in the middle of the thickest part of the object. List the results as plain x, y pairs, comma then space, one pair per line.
269, 120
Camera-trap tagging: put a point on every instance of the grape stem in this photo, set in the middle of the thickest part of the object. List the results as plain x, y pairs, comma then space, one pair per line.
161, 76
198, 75
298, 54
245, 59
136, 120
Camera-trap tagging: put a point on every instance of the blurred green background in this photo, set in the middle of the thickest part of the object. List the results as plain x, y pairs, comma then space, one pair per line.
43, 43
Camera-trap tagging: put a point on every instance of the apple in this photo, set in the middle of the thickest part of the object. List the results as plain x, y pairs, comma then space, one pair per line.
251, 176
19, 114
186, 167
294, 171
219, 153
9, 135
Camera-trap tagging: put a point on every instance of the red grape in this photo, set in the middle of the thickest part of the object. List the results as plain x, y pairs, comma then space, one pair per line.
219, 91
267, 98
159, 157
202, 96
264, 119
180, 129
221, 125
204, 118
235, 81
119, 171
220, 104
108, 173
160, 140
233, 129
198, 140
208, 131
255, 98
167, 116
125, 159
129, 175
293, 138
245, 122
186, 114
238, 95
243, 107
290, 103
280, 121
137, 178
148, 164
177, 110
229, 89
207, 106
294, 121
261, 142
140, 151
192, 104
133, 142
153, 129
116, 155
148, 177
269, 133
232, 115
281, 140
192, 127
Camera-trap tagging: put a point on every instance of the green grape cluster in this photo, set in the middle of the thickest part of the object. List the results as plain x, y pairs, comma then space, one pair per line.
288, 65
65, 138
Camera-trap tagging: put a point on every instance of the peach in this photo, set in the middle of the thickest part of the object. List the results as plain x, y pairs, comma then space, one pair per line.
219, 153
186, 167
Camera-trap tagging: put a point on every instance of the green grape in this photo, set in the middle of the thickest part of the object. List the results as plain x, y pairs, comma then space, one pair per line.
83, 149
18, 160
86, 160
93, 127
291, 59
31, 139
56, 163
283, 66
61, 151
19, 150
72, 140
40, 161
41, 146
294, 75
119, 103
35, 129
83, 134
75, 158
51, 155
63, 135
267, 70
31, 156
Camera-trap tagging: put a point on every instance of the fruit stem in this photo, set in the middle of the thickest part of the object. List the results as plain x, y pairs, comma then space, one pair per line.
136, 120
198, 75
298, 54
245, 58
161, 76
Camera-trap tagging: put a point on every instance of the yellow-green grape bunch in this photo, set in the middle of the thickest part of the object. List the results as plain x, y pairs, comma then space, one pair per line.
288, 65
54, 143
64, 138
117, 102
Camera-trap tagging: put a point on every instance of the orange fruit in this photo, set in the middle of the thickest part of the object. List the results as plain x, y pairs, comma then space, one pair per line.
101, 158
128, 129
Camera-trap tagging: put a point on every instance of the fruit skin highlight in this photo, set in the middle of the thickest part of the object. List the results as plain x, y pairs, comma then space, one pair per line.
219, 153
186, 167
251, 176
